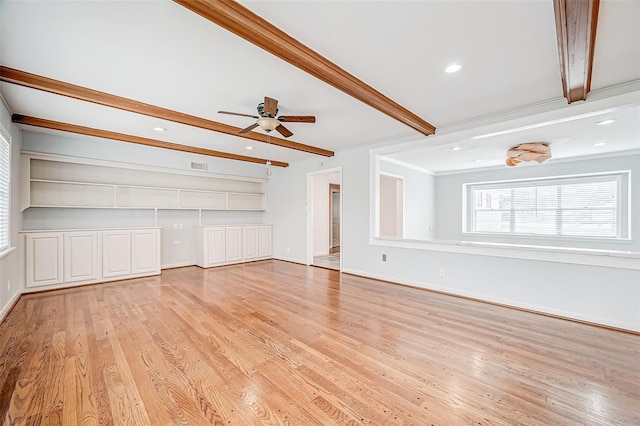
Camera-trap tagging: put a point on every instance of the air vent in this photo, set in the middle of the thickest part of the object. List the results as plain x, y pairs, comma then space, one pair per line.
199, 166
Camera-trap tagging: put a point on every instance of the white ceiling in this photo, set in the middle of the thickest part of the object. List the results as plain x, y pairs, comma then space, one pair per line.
160, 53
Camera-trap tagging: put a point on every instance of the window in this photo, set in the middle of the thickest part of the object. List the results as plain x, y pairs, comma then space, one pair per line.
571, 206
5, 161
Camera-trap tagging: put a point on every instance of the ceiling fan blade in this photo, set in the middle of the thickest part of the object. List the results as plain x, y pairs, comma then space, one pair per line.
297, 119
284, 131
248, 129
270, 106
237, 113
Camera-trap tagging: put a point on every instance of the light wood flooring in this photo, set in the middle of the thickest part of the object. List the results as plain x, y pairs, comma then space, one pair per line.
330, 261
275, 343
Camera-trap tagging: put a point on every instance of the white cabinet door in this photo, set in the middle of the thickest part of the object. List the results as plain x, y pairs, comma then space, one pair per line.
144, 251
44, 258
214, 245
234, 244
80, 256
265, 241
116, 253
250, 242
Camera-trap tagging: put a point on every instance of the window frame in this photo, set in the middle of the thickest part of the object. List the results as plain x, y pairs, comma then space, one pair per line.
5, 138
623, 217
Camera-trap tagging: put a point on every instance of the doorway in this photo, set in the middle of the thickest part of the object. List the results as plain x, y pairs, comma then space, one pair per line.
324, 219
334, 218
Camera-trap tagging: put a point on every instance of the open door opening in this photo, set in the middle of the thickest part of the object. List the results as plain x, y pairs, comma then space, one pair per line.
324, 214
334, 218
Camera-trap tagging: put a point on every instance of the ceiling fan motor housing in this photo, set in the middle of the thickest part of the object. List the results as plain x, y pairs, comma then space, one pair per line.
262, 113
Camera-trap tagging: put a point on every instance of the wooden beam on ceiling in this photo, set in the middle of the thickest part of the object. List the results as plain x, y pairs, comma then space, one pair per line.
106, 134
57, 87
246, 24
576, 22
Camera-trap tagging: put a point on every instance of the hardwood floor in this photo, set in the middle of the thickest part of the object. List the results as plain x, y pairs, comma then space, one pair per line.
275, 343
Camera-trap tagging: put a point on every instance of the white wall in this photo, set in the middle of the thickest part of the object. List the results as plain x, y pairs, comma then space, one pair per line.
605, 295
179, 254
10, 271
449, 195
419, 200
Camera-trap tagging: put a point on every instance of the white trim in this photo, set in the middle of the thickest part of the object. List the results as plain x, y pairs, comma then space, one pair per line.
7, 307
7, 251
498, 300
177, 265
292, 260
407, 165
606, 258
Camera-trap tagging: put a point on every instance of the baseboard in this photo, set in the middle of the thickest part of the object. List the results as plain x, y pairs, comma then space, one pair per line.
9, 305
556, 313
177, 265
291, 260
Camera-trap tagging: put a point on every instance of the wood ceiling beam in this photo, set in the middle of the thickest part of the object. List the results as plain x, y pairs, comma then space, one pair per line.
246, 24
57, 87
576, 22
106, 134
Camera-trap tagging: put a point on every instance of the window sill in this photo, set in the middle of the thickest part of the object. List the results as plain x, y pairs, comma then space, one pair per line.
507, 236
6, 252
606, 258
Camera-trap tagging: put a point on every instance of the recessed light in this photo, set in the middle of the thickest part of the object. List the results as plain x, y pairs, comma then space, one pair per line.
478, 160
599, 144
452, 68
455, 148
605, 122
248, 147
159, 129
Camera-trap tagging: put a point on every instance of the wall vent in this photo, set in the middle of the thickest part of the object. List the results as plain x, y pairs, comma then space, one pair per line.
198, 166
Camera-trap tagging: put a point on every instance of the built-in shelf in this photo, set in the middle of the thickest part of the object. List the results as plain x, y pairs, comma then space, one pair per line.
53, 181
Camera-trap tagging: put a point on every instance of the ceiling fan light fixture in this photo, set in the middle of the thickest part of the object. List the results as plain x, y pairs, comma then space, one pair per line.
268, 123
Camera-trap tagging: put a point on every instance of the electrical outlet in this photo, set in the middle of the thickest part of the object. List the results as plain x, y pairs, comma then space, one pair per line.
180, 226
288, 250
442, 272
384, 257
176, 242
175, 226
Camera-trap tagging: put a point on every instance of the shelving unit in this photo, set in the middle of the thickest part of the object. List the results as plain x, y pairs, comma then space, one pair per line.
52, 181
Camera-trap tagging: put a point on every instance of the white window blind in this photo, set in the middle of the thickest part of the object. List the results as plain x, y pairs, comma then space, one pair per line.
5, 158
579, 206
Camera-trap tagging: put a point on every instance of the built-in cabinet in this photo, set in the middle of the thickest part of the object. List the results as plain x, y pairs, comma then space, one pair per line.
222, 245
44, 258
87, 256
80, 256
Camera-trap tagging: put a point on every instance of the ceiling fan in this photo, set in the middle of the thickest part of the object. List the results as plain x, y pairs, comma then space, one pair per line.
267, 118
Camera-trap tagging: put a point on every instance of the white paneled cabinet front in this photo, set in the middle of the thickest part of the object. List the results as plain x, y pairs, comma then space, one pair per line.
144, 251
80, 256
265, 243
66, 258
116, 253
257, 241
250, 242
44, 259
233, 249
223, 245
